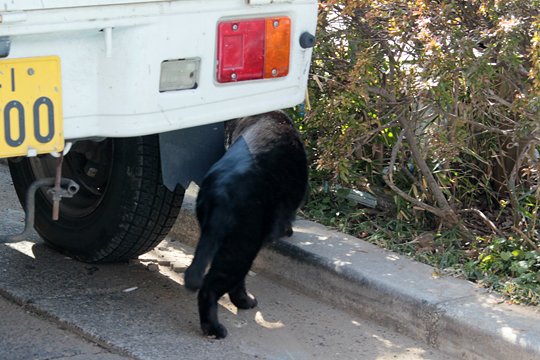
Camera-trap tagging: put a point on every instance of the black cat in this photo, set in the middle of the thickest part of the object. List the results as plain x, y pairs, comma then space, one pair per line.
248, 198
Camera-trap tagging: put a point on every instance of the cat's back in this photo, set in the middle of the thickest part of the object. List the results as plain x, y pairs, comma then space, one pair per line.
266, 158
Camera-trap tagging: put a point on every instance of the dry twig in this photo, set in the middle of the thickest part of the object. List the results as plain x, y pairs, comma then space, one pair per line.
485, 220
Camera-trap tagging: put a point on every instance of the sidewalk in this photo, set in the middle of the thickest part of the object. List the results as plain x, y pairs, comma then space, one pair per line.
449, 314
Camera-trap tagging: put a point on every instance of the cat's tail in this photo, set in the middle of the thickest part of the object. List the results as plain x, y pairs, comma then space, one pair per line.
204, 254
215, 220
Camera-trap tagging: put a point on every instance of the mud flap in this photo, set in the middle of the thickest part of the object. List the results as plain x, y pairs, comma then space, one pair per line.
187, 154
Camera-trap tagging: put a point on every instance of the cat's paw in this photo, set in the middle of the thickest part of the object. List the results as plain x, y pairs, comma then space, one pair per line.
193, 279
243, 301
216, 330
289, 231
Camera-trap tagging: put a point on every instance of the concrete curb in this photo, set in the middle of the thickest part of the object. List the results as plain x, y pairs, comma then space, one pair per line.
449, 314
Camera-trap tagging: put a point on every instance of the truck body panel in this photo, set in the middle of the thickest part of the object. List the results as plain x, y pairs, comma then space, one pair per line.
111, 54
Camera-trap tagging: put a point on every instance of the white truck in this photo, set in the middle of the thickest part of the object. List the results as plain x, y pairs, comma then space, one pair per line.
123, 103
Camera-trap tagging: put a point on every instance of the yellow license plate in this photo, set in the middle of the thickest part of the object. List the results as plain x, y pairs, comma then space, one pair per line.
30, 106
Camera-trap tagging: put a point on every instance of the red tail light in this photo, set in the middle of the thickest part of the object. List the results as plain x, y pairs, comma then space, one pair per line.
253, 49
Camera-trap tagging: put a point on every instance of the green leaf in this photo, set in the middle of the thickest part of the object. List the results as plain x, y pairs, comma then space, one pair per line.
487, 259
342, 193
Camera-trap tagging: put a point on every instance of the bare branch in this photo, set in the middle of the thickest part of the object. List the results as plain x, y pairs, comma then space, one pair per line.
482, 126
490, 94
365, 137
512, 179
389, 180
428, 175
485, 220
527, 239
382, 93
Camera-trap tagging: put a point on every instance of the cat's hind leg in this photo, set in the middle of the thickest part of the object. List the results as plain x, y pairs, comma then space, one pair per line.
208, 312
241, 298
223, 277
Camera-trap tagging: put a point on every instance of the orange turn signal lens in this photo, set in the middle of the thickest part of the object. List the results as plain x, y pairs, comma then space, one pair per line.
277, 47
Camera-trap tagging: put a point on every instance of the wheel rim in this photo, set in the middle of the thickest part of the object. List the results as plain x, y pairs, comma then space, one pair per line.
88, 163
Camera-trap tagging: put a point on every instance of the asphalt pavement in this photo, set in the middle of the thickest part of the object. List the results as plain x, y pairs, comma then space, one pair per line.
141, 310
25, 335
322, 294
449, 314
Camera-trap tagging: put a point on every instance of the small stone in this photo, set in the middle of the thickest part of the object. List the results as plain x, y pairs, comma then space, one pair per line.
152, 267
179, 270
178, 267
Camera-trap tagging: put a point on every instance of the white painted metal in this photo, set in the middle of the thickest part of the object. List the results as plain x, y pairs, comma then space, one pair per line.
264, 2
110, 78
10, 5
12, 17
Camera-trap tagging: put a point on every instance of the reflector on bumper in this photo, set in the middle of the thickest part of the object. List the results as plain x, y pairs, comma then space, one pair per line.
179, 74
253, 49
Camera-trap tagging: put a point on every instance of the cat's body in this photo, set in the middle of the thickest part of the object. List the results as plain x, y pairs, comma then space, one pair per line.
248, 198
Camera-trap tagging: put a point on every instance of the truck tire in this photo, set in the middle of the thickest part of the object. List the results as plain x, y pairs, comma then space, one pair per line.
122, 209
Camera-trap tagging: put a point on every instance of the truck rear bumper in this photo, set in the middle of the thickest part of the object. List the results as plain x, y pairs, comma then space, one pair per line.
111, 58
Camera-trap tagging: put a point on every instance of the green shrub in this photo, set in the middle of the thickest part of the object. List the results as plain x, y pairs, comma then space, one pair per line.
435, 105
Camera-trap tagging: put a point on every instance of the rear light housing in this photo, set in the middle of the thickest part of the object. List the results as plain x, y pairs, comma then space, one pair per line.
252, 49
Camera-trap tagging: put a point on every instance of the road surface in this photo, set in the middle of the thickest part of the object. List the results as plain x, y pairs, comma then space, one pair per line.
141, 310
